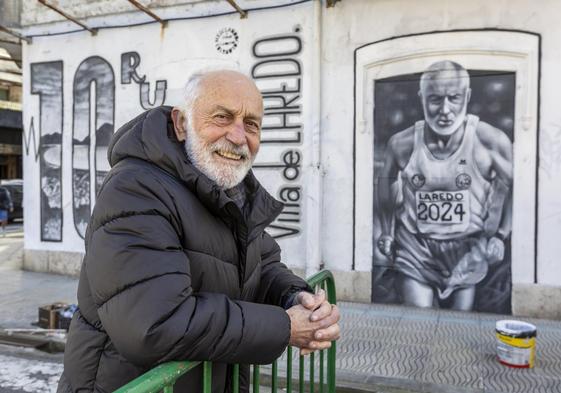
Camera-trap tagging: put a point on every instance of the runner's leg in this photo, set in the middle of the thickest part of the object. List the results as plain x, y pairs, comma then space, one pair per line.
462, 299
415, 293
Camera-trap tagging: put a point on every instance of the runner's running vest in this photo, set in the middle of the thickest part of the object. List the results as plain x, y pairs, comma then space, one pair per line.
444, 198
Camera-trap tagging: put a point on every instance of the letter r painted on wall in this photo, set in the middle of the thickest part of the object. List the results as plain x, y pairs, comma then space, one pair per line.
129, 64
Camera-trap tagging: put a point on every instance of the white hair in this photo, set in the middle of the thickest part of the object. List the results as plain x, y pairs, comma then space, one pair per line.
192, 88
191, 92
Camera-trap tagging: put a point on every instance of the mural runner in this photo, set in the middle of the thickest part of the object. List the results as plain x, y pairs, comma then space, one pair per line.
444, 199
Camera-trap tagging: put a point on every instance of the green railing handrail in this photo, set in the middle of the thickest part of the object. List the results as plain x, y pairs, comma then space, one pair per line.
164, 376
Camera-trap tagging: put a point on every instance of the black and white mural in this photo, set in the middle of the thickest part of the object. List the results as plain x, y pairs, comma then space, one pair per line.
93, 117
46, 81
109, 79
443, 177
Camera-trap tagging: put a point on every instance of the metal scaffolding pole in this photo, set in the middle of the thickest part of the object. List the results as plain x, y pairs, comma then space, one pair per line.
243, 14
14, 34
70, 18
148, 11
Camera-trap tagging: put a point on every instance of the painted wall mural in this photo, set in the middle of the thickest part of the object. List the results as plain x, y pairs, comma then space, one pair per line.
94, 76
93, 118
443, 176
112, 77
46, 81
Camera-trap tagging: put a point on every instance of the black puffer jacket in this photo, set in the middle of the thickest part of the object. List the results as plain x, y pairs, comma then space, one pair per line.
173, 271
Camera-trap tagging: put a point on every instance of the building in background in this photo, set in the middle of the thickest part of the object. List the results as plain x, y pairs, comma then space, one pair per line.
339, 80
11, 166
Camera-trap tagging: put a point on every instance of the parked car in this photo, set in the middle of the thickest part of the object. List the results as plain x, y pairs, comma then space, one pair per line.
14, 188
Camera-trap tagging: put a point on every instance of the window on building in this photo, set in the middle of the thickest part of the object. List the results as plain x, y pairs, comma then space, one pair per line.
4, 94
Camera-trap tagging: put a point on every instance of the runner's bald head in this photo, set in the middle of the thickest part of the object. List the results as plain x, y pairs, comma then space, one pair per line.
444, 72
445, 94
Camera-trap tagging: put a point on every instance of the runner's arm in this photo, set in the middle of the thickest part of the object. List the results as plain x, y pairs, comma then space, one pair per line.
387, 177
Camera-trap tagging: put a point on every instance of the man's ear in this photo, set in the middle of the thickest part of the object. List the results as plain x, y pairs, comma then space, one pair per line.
179, 124
468, 96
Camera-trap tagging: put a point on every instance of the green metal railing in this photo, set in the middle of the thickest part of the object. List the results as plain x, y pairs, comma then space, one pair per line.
163, 377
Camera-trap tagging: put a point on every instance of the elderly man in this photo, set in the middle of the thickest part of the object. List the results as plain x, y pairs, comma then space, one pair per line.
453, 208
178, 265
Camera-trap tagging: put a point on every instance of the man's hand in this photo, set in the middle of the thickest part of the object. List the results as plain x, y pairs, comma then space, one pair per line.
495, 250
385, 245
326, 315
302, 329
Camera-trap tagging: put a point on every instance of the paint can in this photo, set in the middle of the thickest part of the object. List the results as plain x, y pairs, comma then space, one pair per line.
516, 343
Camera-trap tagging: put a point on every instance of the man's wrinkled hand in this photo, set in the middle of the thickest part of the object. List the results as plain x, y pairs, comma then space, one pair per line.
328, 331
313, 302
302, 329
327, 316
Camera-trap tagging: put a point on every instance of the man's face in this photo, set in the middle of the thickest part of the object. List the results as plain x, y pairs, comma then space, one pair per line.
224, 132
445, 100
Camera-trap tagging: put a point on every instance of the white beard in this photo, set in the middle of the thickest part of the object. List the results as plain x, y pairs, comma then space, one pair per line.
448, 130
204, 158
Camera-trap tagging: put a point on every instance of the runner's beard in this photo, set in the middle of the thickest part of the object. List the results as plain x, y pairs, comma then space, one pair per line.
204, 157
446, 130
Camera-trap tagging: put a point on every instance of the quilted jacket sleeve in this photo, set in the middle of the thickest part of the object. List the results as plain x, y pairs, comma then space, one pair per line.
278, 283
140, 279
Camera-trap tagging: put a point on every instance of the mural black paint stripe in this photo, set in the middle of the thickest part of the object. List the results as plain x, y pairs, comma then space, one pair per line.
536, 211
97, 71
46, 81
538, 122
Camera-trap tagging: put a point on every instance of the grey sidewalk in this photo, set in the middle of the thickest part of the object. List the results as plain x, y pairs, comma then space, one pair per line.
439, 351
21, 292
383, 348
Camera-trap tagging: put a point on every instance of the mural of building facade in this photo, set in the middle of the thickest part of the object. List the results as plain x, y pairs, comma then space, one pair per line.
416, 160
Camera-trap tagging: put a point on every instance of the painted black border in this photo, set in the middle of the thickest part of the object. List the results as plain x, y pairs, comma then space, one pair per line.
172, 19
39, 152
538, 121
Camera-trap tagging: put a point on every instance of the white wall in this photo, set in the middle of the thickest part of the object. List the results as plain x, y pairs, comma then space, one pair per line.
361, 22
330, 37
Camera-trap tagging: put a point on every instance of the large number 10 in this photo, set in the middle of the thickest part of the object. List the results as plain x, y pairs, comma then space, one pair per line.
91, 112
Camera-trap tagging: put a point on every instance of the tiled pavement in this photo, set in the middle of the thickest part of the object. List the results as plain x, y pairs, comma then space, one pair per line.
400, 349
382, 349
21, 292
440, 350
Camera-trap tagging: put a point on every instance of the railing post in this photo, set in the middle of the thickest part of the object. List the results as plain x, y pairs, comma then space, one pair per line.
312, 372
289, 370
301, 374
207, 377
321, 366
274, 382
255, 378
236, 378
